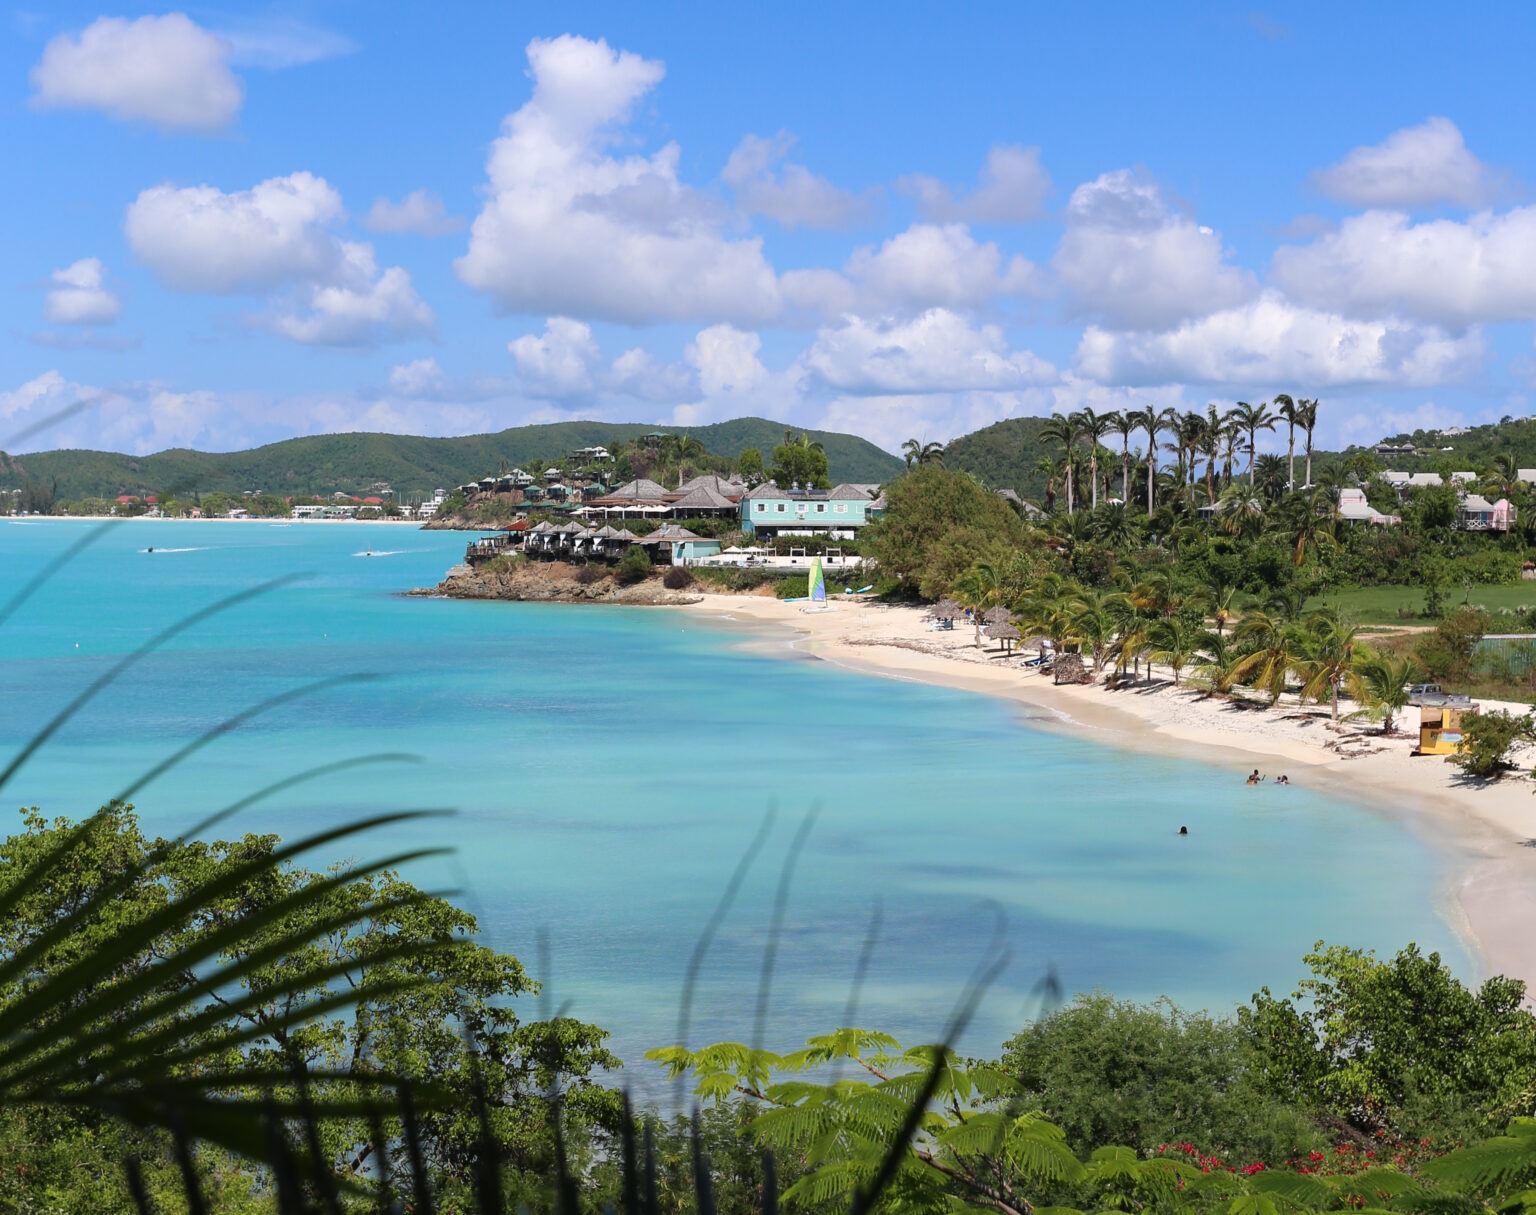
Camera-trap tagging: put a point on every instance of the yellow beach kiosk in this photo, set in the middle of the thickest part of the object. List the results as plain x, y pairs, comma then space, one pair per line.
1440, 730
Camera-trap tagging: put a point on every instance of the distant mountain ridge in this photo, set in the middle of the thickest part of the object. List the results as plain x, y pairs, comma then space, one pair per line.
413, 466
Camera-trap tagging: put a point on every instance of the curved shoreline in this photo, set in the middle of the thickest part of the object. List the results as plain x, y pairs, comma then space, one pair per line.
1486, 835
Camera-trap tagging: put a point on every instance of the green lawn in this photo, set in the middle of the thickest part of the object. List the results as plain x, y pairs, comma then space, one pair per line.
1382, 604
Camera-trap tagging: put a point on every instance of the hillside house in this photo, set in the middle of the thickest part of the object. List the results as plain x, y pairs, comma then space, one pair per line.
838, 512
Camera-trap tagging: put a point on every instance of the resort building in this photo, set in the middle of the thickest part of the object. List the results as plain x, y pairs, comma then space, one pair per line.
1353, 508
1476, 514
838, 512
671, 544
1404, 482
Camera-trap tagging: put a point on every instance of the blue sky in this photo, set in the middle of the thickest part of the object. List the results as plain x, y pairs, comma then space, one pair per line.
236, 224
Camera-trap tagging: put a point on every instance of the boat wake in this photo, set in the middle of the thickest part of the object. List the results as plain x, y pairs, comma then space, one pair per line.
202, 548
385, 552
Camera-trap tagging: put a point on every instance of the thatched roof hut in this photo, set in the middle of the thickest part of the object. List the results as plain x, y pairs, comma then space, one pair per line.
996, 615
946, 609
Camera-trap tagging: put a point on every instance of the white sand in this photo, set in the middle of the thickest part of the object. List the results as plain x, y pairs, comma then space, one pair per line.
1488, 832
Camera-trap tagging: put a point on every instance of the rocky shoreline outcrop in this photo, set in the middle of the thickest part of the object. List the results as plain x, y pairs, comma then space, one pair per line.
550, 582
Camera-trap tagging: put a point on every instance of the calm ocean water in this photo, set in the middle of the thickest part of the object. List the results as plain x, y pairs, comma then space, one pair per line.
609, 766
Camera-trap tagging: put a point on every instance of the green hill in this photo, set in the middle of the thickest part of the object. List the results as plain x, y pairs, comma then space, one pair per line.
321, 464
1003, 455
1475, 450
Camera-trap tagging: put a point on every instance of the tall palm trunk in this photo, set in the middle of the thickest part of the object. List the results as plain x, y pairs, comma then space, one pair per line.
1093, 472
1125, 467
1290, 459
1309, 455
1253, 452
1151, 465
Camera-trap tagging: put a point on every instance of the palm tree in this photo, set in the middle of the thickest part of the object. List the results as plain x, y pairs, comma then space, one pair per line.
1093, 427
1385, 679
1219, 666
1047, 608
1212, 434
1154, 421
1095, 623
1219, 598
1112, 525
1314, 523
1062, 430
1306, 418
1272, 653
1328, 663
1175, 642
688, 448
911, 451
1125, 422
1285, 407
1046, 467
1286, 602
1190, 431
932, 453
1504, 475
1270, 476
1240, 511
1251, 419
979, 588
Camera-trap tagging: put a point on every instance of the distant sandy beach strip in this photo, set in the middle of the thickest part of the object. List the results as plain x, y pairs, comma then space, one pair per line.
1487, 833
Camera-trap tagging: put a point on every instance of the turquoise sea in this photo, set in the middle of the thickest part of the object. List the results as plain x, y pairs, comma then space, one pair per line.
609, 766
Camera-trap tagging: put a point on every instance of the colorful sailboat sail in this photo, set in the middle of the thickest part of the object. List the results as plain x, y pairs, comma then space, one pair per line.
818, 582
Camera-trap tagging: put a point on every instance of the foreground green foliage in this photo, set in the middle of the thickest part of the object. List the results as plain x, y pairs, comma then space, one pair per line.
155, 986
190, 1025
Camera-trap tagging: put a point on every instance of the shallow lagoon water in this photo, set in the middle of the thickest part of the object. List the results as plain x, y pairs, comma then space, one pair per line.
609, 766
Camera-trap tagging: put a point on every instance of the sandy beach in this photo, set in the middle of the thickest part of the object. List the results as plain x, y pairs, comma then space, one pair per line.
1487, 832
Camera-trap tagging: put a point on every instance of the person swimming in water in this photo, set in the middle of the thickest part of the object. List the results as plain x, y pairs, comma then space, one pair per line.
1183, 830
1254, 778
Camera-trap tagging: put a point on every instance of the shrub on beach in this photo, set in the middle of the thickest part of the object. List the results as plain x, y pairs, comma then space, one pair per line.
1488, 738
677, 579
634, 566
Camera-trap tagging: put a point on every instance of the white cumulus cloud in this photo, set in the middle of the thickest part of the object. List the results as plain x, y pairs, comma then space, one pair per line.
1272, 341
198, 238
1012, 189
419, 212
926, 266
1134, 262
937, 351
361, 306
1444, 271
569, 229
726, 361
789, 194
563, 361
1416, 167
167, 71
78, 295
276, 237
418, 378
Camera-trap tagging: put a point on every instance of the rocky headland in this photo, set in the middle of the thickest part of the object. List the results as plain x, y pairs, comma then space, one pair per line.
553, 582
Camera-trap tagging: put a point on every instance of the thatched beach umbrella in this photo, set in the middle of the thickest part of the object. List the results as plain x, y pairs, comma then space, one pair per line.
946, 611
996, 615
1070, 668
1004, 632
